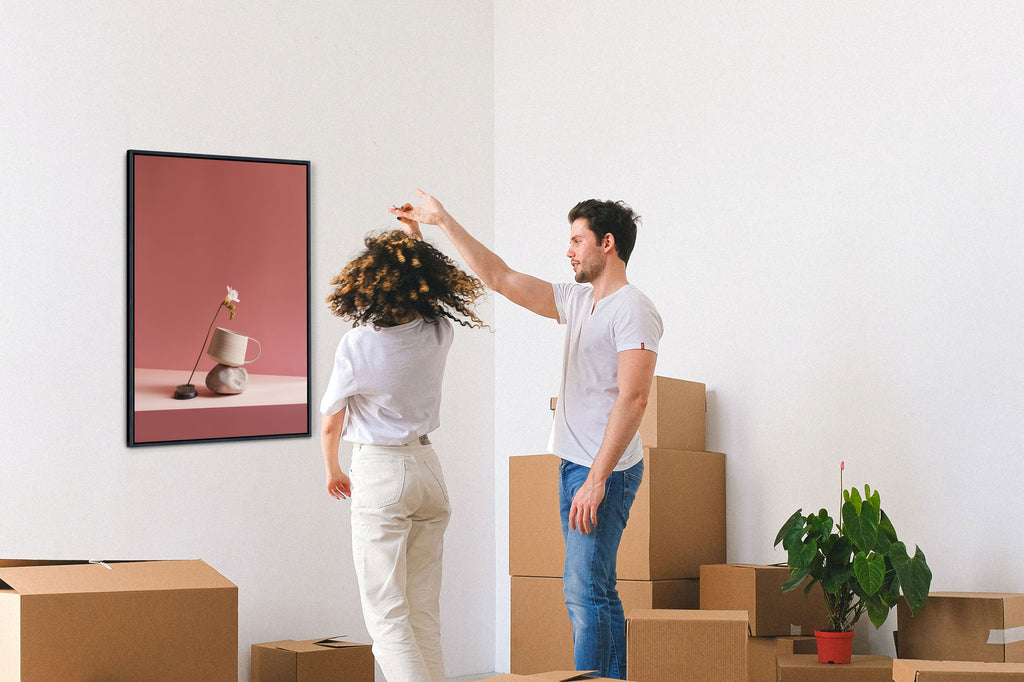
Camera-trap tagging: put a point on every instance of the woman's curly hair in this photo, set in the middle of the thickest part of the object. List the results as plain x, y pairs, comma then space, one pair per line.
396, 276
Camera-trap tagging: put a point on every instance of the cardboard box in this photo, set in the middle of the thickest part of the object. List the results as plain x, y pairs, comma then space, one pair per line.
146, 620
676, 524
963, 626
909, 670
542, 633
669, 646
805, 668
755, 589
763, 652
312, 660
554, 676
676, 415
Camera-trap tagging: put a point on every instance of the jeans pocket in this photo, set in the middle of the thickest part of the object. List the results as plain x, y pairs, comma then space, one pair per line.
631, 480
434, 467
377, 482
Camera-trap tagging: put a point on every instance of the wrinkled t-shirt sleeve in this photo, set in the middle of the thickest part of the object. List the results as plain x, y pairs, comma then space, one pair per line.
638, 326
562, 291
342, 384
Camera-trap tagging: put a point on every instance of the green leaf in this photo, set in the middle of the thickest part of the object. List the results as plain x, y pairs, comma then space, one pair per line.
878, 612
802, 555
852, 496
886, 533
794, 524
870, 571
861, 526
819, 526
838, 571
914, 575
796, 578
872, 498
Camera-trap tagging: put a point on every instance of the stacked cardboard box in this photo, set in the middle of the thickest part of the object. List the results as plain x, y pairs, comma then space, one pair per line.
909, 670
674, 645
806, 668
963, 626
541, 632
677, 523
779, 623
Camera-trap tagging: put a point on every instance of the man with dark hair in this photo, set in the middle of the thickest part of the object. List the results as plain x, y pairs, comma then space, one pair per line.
611, 347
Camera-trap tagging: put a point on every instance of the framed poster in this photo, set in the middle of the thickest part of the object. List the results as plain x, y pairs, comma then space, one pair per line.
218, 298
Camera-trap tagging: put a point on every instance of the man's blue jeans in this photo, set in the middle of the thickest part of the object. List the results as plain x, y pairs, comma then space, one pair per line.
598, 622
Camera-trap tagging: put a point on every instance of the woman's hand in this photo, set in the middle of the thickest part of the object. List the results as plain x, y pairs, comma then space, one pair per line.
338, 484
409, 226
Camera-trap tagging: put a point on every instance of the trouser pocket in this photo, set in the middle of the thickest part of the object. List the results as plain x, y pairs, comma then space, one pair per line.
377, 481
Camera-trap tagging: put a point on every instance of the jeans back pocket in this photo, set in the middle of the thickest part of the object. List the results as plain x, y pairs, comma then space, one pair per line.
377, 481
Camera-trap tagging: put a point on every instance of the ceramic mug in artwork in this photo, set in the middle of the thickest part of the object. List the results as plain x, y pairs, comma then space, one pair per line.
228, 347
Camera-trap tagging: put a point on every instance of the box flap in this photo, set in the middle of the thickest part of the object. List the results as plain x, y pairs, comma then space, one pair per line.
687, 614
136, 576
914, 670
335, 643
309, 645
553, 676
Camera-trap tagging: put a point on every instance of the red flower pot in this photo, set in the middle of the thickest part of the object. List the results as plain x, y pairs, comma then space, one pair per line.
834, 647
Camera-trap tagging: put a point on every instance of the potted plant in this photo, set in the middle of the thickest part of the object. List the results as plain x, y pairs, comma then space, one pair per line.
860, 563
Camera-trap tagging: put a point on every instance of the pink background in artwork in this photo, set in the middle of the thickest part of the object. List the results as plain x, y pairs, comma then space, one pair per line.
201, 225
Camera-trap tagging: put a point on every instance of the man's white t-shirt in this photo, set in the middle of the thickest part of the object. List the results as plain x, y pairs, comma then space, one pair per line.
594, 336
389, 379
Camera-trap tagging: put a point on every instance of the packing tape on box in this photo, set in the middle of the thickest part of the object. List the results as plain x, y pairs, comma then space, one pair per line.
1007, 636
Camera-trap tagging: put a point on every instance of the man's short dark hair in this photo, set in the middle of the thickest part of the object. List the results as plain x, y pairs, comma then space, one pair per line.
613, 217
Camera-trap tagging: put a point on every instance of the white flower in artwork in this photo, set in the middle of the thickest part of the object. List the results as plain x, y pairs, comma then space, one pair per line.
187, 390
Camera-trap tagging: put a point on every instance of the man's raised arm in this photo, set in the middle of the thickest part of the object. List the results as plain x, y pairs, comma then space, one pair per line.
530, 292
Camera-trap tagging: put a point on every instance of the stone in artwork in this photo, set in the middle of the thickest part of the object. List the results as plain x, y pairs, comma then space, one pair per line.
227, 380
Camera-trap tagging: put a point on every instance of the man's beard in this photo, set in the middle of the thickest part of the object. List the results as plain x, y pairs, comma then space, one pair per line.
588, 272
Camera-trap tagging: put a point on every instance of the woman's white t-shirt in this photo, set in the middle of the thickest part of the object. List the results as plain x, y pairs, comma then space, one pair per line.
389, 380
594, 336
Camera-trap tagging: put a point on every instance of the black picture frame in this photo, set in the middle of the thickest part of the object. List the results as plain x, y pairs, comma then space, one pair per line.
203, 231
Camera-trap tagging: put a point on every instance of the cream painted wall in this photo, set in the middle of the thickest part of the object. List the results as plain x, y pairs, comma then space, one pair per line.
379, 96
832, 231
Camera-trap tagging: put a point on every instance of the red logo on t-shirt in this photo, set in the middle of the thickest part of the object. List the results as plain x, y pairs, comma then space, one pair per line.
641, 345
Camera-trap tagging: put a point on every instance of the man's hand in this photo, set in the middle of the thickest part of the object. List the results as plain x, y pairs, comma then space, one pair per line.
583, 512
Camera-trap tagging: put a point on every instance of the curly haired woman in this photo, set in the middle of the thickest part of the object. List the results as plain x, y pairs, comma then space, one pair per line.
401, 294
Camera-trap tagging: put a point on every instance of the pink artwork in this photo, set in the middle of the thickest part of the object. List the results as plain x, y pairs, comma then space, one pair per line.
217, 242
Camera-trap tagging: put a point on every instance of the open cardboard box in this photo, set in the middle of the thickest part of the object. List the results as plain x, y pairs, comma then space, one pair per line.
312, 660
140, 620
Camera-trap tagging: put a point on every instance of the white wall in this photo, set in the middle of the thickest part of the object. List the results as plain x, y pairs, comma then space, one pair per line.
832, 228
380, 97
832, 231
